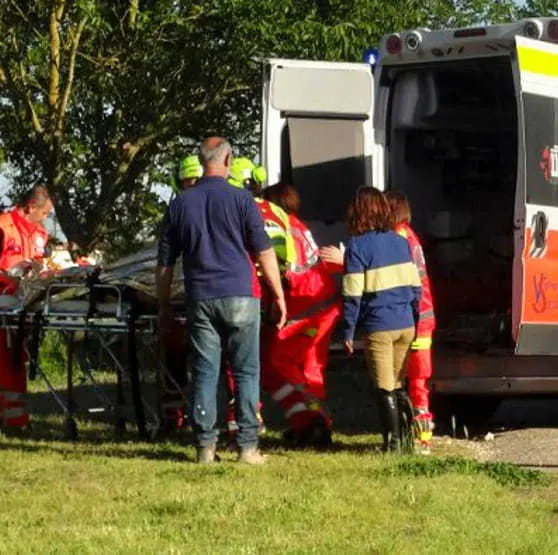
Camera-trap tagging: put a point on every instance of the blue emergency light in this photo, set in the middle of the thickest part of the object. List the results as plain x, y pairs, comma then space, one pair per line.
371, 56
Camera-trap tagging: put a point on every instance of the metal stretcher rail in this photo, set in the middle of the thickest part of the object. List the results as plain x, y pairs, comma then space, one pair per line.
90, 314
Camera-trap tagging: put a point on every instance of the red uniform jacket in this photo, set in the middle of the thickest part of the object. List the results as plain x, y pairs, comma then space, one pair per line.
310, 285
427, 321
21, 239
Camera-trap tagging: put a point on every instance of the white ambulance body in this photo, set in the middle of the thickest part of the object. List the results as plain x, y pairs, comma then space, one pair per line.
317, 134
465, 123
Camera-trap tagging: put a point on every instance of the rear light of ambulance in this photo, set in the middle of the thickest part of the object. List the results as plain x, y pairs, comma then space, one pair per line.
552, 30
533, 29
394, 44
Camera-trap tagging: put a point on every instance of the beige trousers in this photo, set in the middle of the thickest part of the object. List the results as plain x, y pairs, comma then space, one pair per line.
386, 357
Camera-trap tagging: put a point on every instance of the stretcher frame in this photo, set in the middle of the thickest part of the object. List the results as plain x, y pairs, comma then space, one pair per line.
102, 321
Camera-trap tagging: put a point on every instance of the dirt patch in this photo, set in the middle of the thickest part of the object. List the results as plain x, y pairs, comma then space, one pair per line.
533, 447
524, 431
481, 451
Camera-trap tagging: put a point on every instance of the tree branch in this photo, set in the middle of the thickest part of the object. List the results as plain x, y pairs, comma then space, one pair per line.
54, 32
71, 72
31, 112
19, 11
133, 13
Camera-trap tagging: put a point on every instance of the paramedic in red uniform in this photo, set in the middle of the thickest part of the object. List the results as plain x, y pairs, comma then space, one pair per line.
22, 237
420, 358
300, 351
308, 425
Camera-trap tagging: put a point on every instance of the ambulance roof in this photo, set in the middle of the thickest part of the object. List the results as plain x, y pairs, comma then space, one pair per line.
422, 45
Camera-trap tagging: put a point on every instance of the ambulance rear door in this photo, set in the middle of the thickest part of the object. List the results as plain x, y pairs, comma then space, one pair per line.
535, 287
317, 133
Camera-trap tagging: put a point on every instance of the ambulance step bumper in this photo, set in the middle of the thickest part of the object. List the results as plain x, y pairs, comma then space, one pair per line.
496, 385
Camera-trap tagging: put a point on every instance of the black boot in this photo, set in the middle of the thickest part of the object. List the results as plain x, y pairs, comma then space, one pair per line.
389, 420
405, 420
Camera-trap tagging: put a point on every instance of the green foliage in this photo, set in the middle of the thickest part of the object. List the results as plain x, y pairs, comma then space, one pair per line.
52, 355
539, 8
100, 98
505, 474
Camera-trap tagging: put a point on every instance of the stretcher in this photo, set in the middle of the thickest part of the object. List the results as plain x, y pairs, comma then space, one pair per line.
76, 304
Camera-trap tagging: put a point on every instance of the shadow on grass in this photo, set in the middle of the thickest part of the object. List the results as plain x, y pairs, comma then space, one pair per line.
46, 437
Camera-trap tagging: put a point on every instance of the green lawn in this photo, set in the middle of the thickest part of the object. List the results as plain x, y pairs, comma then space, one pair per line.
105, 497
102, 496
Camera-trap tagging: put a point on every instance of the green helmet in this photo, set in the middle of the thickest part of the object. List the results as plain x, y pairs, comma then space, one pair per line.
190, 168
241, 171
259, 175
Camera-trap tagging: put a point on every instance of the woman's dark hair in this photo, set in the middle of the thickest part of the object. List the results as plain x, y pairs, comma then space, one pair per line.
369, 211
285, 196
400, 207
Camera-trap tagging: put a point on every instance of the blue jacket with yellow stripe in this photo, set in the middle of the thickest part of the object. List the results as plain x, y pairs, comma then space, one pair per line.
381, 285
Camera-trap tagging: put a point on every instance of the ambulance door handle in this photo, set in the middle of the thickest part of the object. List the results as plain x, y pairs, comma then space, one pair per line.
540, 226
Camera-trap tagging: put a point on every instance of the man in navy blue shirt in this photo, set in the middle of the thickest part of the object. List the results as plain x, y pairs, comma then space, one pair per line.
218, 230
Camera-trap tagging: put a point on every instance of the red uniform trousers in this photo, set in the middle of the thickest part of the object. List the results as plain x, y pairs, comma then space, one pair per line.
293, 363
419, 370
13, 381
172, 402
13, 385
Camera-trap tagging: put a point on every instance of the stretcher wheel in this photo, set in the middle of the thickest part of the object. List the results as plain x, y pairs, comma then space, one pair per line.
70, 429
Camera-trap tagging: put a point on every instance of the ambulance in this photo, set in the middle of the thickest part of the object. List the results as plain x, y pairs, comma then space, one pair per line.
465, 123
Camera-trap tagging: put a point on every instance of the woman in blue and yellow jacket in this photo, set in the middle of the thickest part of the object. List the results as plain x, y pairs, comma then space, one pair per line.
381, 291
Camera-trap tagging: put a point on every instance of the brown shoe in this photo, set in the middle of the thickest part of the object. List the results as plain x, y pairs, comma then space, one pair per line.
206, 455
251, 455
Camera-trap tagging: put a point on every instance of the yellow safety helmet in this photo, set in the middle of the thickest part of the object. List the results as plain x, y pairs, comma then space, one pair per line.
240, 173
259, 175
190, 168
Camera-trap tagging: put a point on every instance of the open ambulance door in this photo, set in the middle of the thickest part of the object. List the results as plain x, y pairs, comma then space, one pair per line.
535, 272
317, 134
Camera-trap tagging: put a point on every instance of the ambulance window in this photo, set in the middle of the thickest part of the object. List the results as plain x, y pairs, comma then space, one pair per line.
327, 157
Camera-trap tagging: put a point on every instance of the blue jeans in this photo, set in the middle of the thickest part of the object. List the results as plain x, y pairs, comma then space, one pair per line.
234, 323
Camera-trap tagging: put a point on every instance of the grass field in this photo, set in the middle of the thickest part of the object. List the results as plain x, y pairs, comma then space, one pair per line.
129, 497
102, 496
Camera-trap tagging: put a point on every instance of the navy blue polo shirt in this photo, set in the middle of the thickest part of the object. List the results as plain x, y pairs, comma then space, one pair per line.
216, 227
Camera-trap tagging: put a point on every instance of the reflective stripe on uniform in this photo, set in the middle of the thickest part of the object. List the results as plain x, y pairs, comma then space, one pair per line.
12, 396
421, 344
295, 409
312, 259
282, 392
314, 309
13, 412
426, 314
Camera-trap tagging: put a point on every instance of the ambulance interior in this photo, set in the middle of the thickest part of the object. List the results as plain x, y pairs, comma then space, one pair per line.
323, 157
452, 148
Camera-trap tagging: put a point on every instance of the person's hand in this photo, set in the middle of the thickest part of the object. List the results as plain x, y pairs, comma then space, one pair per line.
332, 255
349, 346
279, 312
